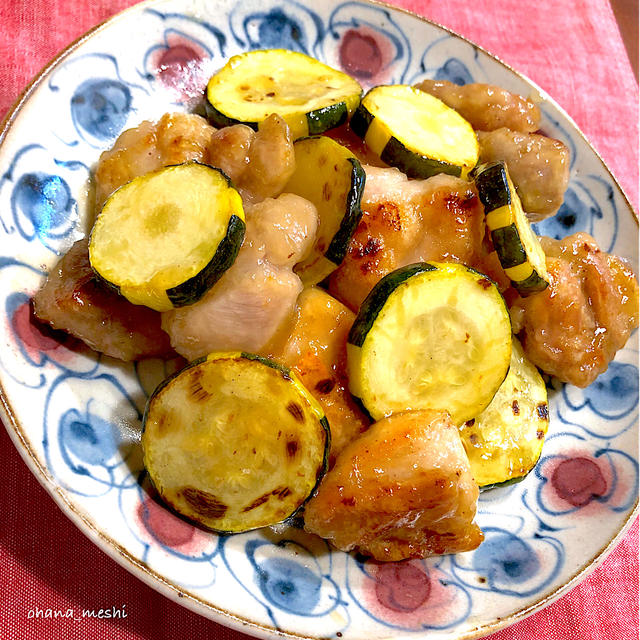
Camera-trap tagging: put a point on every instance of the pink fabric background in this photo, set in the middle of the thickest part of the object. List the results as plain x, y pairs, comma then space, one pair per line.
572, 50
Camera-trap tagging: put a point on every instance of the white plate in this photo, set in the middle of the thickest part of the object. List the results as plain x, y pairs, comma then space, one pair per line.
75, 417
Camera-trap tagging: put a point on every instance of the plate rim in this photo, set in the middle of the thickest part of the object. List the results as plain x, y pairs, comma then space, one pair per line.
140, 569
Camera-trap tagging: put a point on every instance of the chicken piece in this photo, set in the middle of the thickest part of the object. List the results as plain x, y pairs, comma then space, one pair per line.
485, 106
316, 349
538, 166
175, 138
75, 300
405, 221
257, 294
271, 161
402, 490
574, 327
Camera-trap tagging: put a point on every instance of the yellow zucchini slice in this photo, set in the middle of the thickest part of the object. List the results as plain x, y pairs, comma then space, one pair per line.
504, 442
164, 239
430, 336
517, 246
234, 442
414, 131
331, 177
308, 95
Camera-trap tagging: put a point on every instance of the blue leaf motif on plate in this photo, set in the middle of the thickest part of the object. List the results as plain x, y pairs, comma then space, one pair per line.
41, 202
100, 107
588, 206
510, 563
437, 63
276, 25
87, 438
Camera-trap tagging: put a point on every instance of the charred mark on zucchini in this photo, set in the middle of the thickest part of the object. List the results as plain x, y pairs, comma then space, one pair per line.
206, 504
292, 448
325, 386
515, 407
296, 411
543, 411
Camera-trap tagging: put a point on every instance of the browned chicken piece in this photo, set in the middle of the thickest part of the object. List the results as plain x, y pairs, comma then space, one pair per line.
538, 166
74, 300
259, 163
316, 349
402, 490
175, 138
574, 327
270, 163
406, 221
485, 106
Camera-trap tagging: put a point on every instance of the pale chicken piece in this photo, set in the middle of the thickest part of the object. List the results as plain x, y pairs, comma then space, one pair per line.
316, 349
485, 106
405, 221
174, 139
252, 300
538, 166
402, 490
75, 300
271, 161
573, 329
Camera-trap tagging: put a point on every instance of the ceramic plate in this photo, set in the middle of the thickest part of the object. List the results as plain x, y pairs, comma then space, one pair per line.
75, 416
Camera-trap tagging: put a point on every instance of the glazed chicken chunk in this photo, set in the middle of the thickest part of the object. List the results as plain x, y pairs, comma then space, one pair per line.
402, 490
316, 349
405, 221
574, 327
256, 296
73, 299
258, 163
538, 166
485, 106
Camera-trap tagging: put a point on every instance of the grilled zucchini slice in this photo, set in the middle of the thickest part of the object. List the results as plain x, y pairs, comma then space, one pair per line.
518, 248
504, 442
234, 442
310, 96
331, 177
414, 131
430, 336
164, 239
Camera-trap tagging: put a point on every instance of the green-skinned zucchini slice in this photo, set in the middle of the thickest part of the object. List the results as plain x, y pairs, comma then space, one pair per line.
414, 131
430, 336
308, 95
504, 442
331, 177
164, 239
518, 248
234, 442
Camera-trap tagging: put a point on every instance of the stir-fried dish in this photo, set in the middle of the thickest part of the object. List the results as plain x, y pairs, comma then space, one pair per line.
358, 295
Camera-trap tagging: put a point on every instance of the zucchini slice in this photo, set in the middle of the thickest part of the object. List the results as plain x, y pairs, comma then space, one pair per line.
518, 248
308, 95
331, 177
504, 442
165, 238
414, 131
234, 442
430, 336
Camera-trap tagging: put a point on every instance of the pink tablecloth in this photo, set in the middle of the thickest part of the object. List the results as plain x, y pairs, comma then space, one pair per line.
573, 50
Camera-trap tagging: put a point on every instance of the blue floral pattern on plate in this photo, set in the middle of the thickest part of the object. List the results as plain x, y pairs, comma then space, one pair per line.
81, 412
